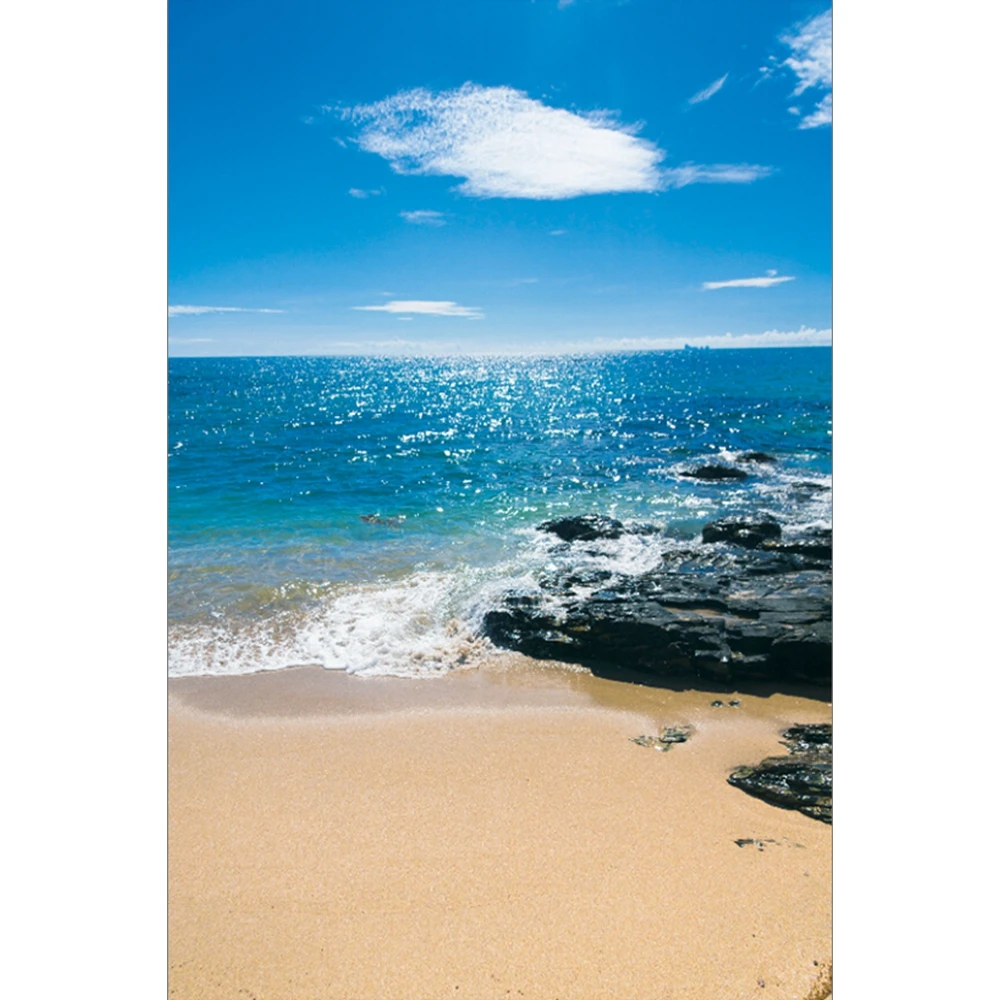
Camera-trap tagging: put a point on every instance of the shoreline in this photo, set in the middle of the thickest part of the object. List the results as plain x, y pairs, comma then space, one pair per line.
488, 834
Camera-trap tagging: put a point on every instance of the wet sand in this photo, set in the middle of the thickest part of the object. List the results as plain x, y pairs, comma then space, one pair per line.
491, 834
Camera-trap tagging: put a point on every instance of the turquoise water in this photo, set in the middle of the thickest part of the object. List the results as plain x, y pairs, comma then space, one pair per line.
361, 513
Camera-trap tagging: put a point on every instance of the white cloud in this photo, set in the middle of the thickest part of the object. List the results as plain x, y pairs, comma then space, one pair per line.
424, 217
823, 114
365, 193
720, 173
709, 91
425, 308
771, 279
202, 310
557, 232
812, 62
504, 144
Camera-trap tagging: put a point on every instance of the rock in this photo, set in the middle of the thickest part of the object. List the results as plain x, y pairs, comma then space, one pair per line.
717, 704
735, 703
748, 534
722, 615
665, 740
714, 472
816, 543
760, 457
584, 528
803, 780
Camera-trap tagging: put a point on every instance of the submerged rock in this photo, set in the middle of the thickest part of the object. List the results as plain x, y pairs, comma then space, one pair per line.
584, 528
761, 457
713, 472
803, 780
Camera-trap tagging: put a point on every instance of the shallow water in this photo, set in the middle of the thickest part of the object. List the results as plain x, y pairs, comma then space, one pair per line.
363, 513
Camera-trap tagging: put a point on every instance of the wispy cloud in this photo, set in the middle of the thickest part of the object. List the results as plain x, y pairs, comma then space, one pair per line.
202, 310
766, 282
365, 192
504, 144
557, 232
425, 308
424, 217
190, 340
812, 62
719, 173
709, 91
823, 114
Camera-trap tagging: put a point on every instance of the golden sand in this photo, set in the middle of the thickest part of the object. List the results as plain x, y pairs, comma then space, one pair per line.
486, 835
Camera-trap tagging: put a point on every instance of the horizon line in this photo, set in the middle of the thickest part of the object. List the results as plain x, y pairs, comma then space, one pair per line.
509, 354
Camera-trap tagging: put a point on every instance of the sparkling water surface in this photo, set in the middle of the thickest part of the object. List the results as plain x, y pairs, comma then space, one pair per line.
362, 513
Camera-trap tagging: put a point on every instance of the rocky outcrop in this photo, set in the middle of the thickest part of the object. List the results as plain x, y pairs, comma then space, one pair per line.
760, 457
715, 472
748, 534
723, 612
801, 780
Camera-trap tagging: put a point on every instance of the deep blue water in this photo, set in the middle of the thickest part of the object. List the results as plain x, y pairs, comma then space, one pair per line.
275, 461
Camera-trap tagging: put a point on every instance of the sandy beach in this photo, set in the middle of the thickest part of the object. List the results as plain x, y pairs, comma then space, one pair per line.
489, 834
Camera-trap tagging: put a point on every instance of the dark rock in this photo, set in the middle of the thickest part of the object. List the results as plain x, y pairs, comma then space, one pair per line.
803, 780
817, 543
748, 534
715, 472
735, 703
584, 528
717, 704
756, 456
753, 614
665, 740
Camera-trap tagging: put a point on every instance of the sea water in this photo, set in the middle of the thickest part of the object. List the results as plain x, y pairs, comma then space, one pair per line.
364, 513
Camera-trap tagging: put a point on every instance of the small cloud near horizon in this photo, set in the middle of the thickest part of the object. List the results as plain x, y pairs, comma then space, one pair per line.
365, 192
203, 310
424, 217
423, 307
772, 278
504, 144
709, 91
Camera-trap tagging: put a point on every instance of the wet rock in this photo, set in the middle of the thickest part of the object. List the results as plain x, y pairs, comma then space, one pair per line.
803, 780
715, 472
665, 740
718, 704
739, 531
760, 457
817, 543
584, 528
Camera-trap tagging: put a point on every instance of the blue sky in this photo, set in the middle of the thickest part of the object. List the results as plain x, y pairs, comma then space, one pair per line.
498, 175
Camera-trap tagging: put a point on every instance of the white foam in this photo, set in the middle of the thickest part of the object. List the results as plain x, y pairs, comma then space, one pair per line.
417, 627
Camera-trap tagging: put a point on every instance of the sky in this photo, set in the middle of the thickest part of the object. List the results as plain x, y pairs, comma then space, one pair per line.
498, 176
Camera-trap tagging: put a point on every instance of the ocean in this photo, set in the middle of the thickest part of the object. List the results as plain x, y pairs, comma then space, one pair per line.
364, 513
